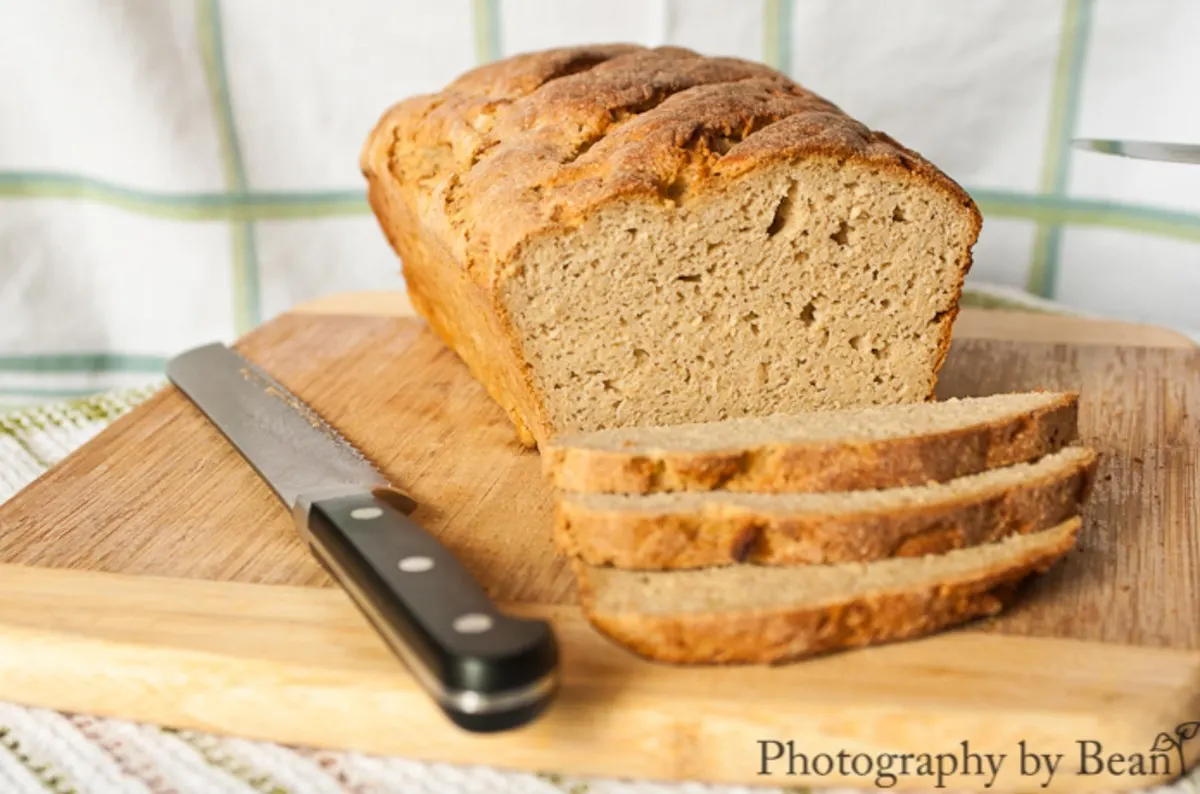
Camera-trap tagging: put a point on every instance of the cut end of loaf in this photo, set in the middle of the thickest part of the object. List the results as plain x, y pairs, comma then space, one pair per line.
802, 286
755, 614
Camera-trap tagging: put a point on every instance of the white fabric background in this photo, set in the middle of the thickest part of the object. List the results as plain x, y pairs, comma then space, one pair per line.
141, 213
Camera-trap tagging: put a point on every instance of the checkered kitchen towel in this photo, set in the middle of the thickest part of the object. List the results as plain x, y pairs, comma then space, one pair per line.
175, 171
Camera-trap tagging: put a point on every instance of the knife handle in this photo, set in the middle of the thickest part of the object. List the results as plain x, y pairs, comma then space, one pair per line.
488, 671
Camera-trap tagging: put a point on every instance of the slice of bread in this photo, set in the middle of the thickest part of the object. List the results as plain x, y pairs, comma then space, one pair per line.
763, 614
847, 450
697, 529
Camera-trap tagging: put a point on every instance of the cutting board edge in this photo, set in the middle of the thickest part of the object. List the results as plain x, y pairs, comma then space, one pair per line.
1127, 693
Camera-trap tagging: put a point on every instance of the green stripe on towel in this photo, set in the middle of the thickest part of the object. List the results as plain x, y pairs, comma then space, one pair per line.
485, 18
1062, 210
83, 362
246, 298
1064, 111
777, 34
244, 206
34, 393
269, 205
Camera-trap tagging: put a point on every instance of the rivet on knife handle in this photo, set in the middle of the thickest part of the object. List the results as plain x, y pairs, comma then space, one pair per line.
488, 671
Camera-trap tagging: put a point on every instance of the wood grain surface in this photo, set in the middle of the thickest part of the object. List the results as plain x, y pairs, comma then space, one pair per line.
162, 494
1135, 576
152, 576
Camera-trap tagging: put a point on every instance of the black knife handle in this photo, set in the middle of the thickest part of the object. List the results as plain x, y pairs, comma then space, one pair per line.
488, 671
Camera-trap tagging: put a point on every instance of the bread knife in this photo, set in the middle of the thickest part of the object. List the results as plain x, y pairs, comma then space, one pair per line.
1142, 150
486, 670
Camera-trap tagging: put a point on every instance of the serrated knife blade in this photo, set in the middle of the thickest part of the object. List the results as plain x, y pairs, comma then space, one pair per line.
276, 434
486, 670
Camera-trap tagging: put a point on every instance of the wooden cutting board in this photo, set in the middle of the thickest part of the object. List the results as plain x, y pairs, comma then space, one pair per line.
152, 576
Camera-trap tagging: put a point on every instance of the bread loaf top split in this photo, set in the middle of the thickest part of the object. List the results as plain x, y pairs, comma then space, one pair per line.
537, 141
613, 236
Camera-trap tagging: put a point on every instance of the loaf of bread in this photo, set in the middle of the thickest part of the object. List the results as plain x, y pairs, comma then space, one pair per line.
845, 450
757, 614
699, 529
613, 236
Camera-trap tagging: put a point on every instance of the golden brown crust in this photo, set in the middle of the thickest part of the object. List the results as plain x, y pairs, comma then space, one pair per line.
537, 143
797, 632
467, 319
821, 466
645, 539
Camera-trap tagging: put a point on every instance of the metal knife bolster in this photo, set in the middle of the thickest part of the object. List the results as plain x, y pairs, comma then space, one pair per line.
472, 658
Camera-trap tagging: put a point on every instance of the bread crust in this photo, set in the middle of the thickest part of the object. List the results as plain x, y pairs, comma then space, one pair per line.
465, 179
790, 633
818, 466
646, 539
